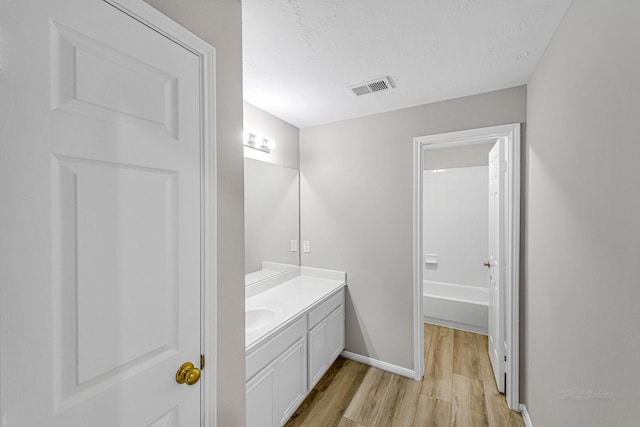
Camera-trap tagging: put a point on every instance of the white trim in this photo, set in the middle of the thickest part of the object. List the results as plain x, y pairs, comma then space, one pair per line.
210, 242
456, 325
512, 319
418, 328
467, 137
525, 415
158, 21
394, 369
154, 19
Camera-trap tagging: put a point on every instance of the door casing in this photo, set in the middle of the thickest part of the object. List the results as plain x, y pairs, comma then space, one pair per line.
511, 134
496, 271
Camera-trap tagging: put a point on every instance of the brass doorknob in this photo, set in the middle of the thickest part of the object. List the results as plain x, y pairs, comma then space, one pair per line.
187, 374
487, 264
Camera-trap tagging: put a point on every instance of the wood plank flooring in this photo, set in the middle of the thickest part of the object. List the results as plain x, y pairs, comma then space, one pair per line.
458, 390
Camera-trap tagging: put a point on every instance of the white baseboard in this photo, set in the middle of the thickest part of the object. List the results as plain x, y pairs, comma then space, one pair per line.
456, 325
525, 415
394, 369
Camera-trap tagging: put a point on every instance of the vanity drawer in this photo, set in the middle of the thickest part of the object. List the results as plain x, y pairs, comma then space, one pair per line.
274, 347
323, 310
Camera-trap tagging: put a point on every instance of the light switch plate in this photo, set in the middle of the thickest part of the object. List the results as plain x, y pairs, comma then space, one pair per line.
294, 246
306, 247
430, 258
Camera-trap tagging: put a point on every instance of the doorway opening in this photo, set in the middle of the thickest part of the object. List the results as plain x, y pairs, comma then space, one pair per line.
480, 225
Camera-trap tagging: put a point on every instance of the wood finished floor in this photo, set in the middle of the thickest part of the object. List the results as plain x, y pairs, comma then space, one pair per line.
458, 390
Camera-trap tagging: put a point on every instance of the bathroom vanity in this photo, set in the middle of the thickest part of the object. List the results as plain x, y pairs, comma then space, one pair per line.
294, 316
294, 332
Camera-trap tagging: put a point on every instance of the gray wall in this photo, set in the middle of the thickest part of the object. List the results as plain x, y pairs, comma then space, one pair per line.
582, 312
219, 22
272, 214
286, 137
356, 209
458, 157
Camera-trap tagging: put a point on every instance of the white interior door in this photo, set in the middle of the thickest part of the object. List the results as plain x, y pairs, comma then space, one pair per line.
101, 287
496, 265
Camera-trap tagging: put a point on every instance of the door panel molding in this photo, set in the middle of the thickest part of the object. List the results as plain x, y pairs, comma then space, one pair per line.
89, 62
511, 133
86, 363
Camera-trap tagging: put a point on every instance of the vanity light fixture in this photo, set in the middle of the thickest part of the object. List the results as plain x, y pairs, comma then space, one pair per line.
257, 142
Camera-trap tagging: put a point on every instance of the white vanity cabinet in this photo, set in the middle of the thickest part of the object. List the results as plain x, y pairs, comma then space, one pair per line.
278, 389
284, 368
278, 376
292, 379
261, 398
326, 336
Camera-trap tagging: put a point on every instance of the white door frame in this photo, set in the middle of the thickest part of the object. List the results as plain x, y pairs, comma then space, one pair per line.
162, 24
511, 133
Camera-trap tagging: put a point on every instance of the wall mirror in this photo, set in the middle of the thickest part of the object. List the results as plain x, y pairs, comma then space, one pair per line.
272, 219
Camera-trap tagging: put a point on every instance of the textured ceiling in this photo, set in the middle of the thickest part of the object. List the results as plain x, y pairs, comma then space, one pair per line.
299, 55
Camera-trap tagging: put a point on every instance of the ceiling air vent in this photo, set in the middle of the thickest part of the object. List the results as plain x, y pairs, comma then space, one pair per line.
377, 85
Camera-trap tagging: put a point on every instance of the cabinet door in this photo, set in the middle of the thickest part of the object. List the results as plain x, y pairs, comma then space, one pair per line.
326, 342
335, 334
292, 379
317, 352
261, 399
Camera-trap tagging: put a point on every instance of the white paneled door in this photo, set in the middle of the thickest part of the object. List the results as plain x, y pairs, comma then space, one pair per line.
496, 264
109, 299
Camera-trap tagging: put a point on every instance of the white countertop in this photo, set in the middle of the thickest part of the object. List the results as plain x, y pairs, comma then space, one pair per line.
259, 275
289, 300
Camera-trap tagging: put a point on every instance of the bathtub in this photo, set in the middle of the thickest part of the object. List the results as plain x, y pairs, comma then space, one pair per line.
456, 306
